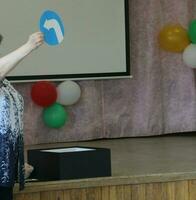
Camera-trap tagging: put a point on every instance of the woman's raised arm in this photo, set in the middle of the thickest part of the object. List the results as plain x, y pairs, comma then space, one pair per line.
8, 62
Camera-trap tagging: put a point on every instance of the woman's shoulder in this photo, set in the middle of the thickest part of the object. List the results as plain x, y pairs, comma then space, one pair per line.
4, 81
1, 80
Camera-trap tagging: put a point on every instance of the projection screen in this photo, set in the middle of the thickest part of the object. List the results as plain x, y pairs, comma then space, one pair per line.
95, 44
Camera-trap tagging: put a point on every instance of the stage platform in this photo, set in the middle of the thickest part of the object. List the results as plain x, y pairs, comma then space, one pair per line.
135, 161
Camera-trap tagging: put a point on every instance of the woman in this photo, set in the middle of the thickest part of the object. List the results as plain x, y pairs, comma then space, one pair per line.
11, 120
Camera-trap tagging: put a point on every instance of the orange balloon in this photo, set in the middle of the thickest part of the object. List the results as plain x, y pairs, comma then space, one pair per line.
173, 38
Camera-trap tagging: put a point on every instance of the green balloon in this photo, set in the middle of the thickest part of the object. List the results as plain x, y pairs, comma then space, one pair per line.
192, 31
55, 116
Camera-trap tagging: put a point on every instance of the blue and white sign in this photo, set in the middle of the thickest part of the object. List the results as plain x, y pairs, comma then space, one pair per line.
52, 27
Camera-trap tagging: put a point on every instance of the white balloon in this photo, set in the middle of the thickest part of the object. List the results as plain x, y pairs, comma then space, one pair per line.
189, 56
68, 93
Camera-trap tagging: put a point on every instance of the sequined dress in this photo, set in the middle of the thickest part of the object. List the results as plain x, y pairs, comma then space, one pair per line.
11, 136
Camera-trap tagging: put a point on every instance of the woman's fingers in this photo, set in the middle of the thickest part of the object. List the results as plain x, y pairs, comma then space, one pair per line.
36, 39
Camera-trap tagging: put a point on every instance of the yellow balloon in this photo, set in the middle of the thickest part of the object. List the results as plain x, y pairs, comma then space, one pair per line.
173, 38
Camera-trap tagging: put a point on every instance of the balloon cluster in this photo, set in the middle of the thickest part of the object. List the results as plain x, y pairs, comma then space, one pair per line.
175, 38
53, 99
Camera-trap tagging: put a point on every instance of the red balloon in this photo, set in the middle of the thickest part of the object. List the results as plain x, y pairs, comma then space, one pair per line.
43, 93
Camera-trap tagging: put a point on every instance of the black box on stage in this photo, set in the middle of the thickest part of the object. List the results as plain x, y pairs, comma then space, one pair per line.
69, 163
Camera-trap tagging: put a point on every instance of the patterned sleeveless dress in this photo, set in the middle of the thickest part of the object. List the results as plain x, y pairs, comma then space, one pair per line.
11, 136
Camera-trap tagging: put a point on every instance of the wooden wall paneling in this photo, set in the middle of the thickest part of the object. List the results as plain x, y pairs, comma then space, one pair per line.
170, 191
75, 194
192, 190
52, 195
153, 191
31, 196
127, 192
120, 192
93, 193
105, 193
182, 190
167, 191
138, 192
112, 193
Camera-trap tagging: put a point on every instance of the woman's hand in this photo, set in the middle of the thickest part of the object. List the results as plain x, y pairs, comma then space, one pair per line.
35, 40
28, 170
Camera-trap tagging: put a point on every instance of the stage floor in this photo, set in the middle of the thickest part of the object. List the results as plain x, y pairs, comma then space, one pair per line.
164, 158
141, 167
